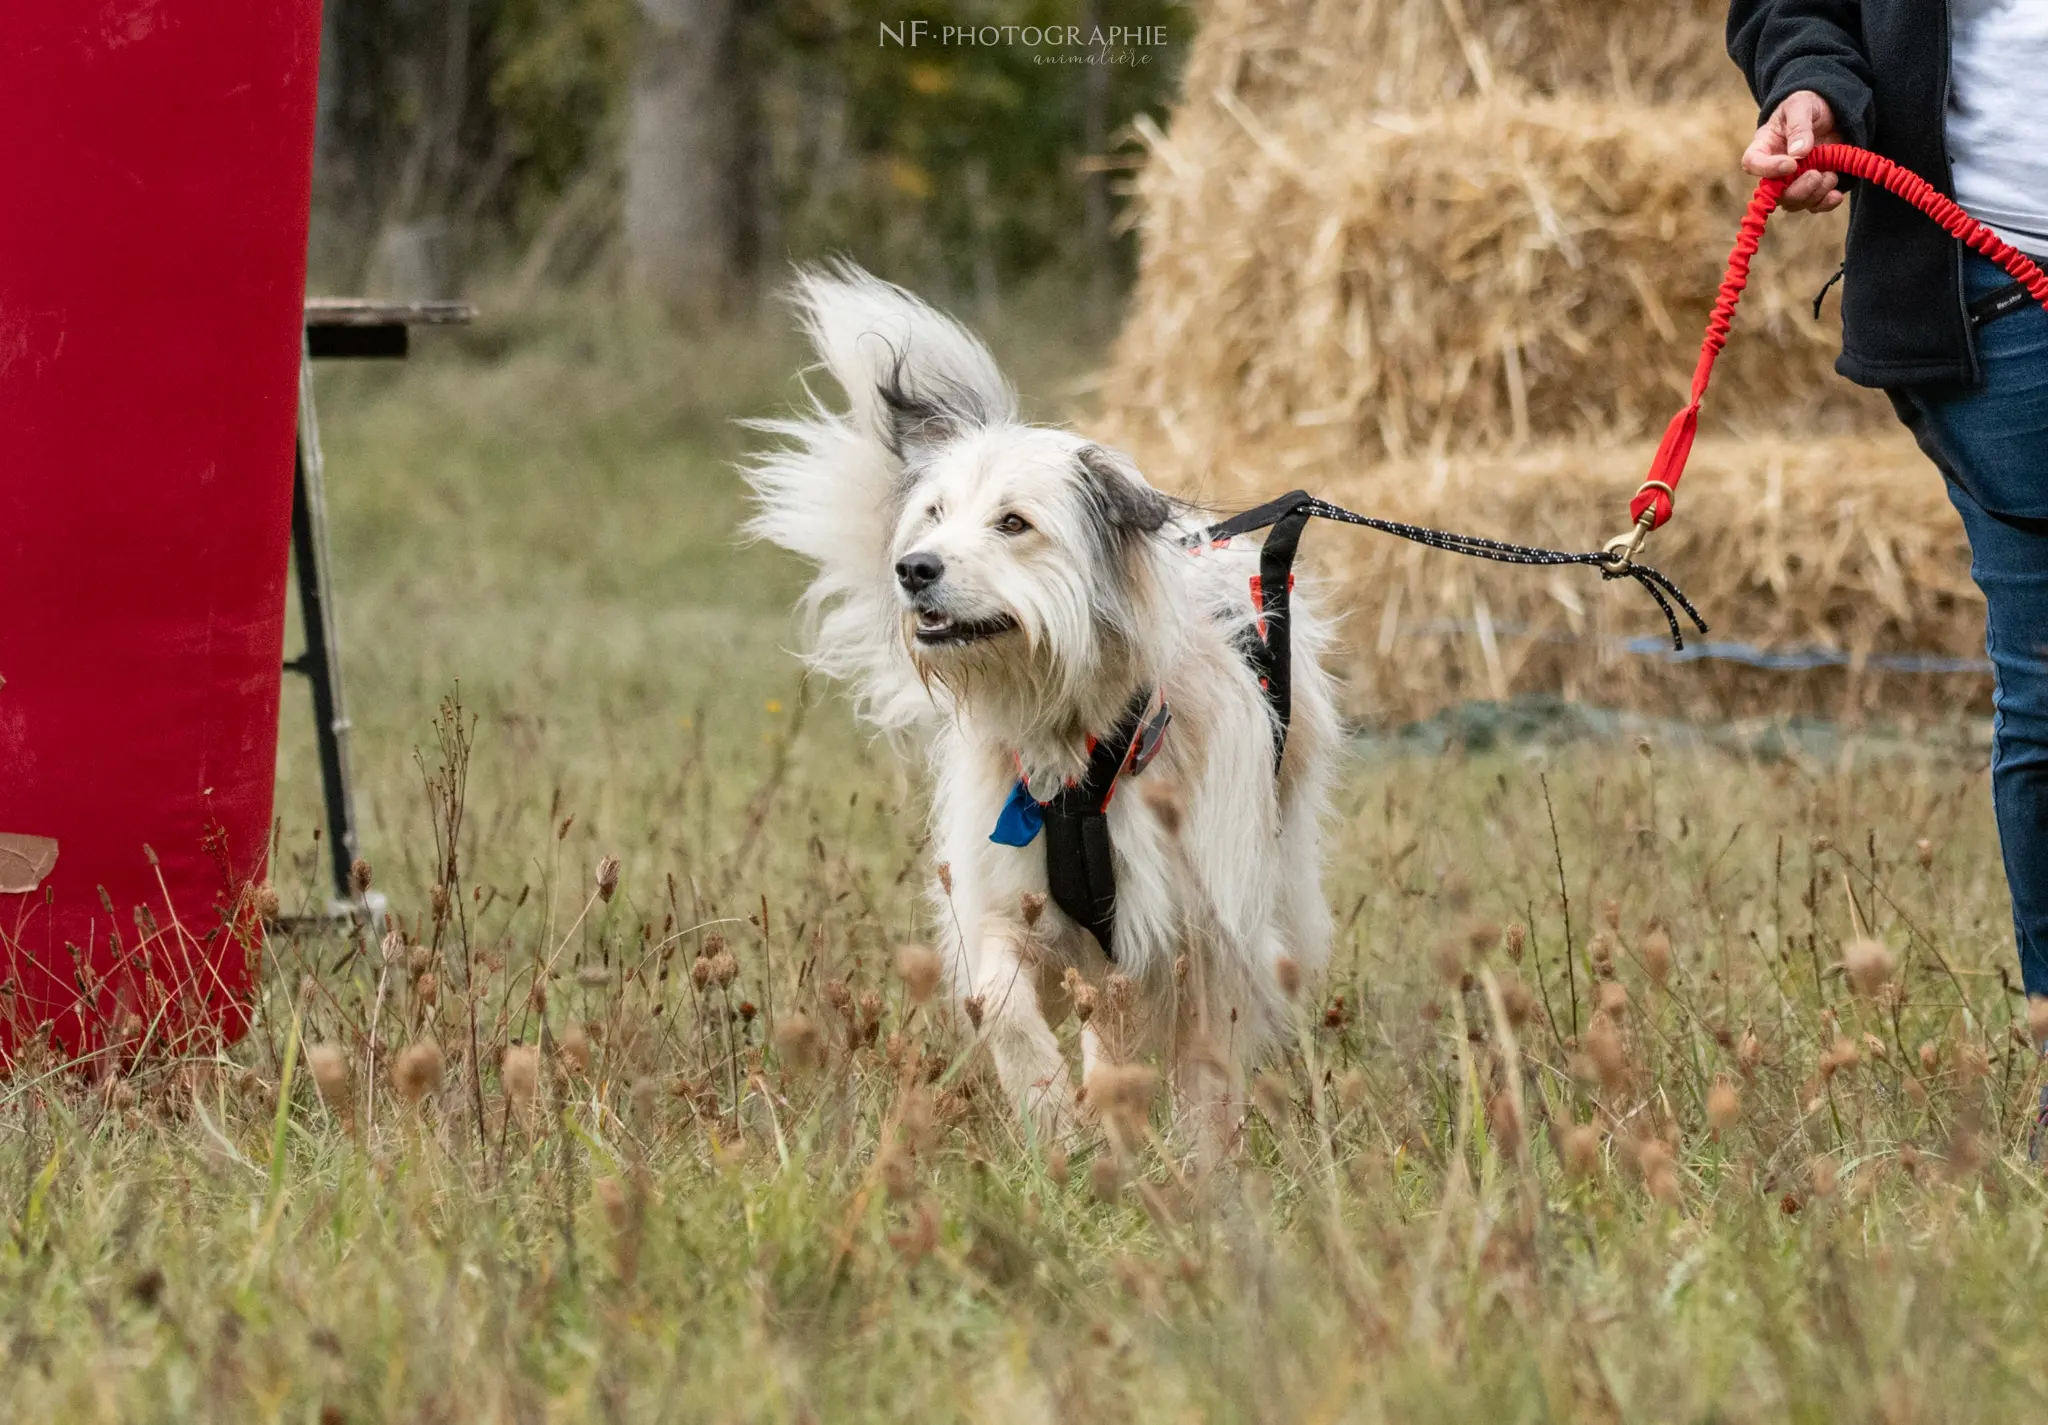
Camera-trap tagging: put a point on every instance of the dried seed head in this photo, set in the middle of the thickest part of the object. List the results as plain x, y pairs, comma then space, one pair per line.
1924, 851
1122, 1094
917, 1120
1610, 913
973, 1007
921, 970
1288, 972
607, 877
574, 1048
1119, 993
839, 996
1448, 959
944, 871
417, 1070
1517, 1000
1518, 942
1867, 964
801, 1044
1105, 1178
520, 1074
2037, 1019
898, 1173
1823, 844
1081, 993
1656, 950
612, 1201
1930, 1056
1057, 1165
724, 969
438, 899
1724, 1106
1601, 951
871, 1007
1842, 1055
1581, 1150
1505, 1119
1274, 1098
1032, 904
1749, 1052
394, 950
359, 876
329, 1067
265, 900
1613, 999
1482, 936
419, 960
1351, 1088
1972, 1062
428, 989
1660, 1171
1605, 1049
700, 973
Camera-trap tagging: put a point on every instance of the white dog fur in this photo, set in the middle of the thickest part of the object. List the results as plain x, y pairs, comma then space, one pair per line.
1066, 587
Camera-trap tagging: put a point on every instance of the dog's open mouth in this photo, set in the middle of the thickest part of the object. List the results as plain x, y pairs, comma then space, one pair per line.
936, 630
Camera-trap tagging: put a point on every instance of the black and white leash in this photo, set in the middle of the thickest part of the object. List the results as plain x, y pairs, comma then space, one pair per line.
1290, 512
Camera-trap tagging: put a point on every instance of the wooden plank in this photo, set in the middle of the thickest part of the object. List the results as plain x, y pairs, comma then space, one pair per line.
363, 312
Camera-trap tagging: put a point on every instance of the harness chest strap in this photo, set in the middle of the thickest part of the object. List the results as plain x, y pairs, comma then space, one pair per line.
1080, 867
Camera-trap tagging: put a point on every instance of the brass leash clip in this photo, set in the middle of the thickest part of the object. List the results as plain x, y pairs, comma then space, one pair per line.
1620, 552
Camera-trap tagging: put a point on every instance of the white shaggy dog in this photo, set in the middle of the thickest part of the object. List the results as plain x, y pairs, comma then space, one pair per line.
1001, 593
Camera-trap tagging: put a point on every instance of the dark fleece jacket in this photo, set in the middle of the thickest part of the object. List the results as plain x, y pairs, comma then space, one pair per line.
1883, 66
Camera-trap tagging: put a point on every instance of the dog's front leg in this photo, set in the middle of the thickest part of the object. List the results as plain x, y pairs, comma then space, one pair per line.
1013, 1024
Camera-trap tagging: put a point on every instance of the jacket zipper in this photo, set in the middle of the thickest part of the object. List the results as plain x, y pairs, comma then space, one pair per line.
1948, 79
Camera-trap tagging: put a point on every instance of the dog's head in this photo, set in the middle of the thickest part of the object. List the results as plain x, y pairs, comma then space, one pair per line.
1018, 548
1015, 563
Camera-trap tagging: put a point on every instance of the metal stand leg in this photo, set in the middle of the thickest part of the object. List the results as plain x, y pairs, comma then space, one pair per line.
321, 661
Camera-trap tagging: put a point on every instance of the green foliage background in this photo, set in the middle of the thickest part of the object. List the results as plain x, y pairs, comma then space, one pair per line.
961, 166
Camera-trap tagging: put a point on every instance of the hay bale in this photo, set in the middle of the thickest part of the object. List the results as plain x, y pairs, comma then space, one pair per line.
1449, 261
1408, 54
1472, 277
1846, 544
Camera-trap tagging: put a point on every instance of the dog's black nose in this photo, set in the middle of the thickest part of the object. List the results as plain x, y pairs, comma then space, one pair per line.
918, 570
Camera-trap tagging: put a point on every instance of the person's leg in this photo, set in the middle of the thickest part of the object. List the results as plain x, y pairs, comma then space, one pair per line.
1991, 443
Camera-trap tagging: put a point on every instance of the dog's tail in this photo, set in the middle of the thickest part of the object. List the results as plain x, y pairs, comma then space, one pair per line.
832, 492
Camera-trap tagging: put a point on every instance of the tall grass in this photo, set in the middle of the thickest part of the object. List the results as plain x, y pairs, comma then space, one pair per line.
1650, 1082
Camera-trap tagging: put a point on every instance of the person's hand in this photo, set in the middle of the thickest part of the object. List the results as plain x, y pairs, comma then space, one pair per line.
1802, 121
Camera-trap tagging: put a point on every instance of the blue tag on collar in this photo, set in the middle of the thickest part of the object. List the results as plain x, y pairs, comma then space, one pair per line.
1018, 823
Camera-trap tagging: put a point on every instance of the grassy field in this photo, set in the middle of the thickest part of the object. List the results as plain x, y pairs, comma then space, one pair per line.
1609, 1110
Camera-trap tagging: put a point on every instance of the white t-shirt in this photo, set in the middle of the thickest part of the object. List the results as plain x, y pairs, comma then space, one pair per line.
1998, 115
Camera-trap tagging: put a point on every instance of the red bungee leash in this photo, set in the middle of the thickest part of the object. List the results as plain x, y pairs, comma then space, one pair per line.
1652, 504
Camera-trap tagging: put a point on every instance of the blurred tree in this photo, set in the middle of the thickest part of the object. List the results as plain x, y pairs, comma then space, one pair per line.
697, 139
689, 211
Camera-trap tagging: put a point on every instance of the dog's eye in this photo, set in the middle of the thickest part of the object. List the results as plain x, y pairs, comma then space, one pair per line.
1013, 523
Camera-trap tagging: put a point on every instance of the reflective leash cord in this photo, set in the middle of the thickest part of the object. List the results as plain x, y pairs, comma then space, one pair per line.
1291, 511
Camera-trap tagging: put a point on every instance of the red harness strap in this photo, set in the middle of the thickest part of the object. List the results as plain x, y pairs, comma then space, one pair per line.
1656, 494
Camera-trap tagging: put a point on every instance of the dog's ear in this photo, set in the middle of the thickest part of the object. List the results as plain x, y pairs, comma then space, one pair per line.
1119, 493
913, 376
926, 410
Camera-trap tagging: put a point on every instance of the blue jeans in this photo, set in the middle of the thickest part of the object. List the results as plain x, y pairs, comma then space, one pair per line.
1991, 443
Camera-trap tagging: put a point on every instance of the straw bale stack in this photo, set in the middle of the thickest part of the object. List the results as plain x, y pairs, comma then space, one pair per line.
1449, 261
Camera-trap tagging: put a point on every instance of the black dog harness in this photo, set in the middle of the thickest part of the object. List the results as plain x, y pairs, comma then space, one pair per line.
1080, 866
